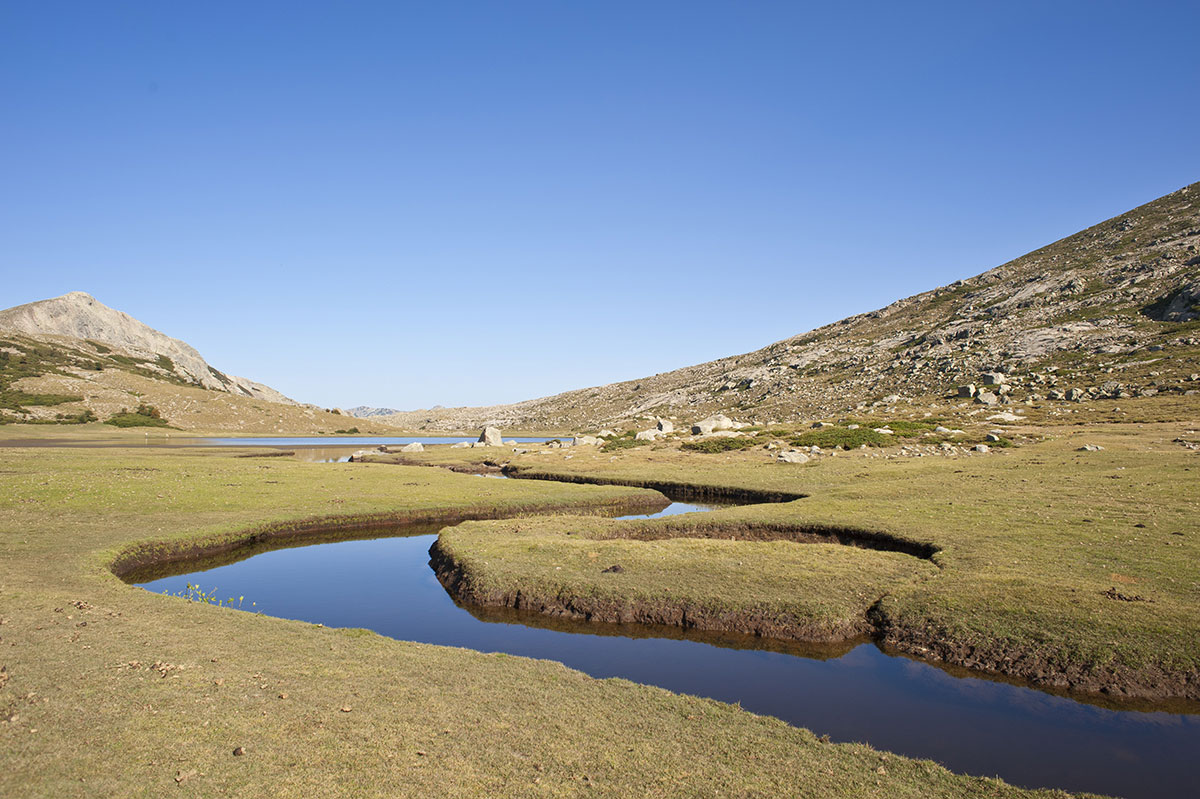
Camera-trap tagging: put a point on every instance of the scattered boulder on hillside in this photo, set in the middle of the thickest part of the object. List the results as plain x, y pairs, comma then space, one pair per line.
792, 456
987, 398
992, 378
490, 437
588, 441
648, 435
1090, 448
982, 448
606, 434
718, 422
461, 445
416, 446
665, 426
967, 391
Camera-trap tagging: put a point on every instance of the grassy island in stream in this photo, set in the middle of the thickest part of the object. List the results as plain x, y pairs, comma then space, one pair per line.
1076, 570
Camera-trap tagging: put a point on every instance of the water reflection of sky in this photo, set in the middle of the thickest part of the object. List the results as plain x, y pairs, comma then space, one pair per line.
894, 703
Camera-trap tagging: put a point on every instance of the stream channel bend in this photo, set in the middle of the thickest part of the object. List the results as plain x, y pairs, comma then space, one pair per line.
850, 692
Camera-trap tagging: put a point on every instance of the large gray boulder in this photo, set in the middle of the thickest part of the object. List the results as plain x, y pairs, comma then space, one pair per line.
716, 422
666, 426
416, 446
648, 435
490, 437
793, 456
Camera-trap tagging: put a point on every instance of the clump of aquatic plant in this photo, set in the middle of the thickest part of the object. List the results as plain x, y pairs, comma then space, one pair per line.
194, 593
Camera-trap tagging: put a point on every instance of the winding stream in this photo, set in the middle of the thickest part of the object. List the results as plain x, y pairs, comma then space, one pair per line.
850, 692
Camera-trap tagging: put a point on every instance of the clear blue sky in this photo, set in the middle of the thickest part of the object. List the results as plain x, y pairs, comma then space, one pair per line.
406, 204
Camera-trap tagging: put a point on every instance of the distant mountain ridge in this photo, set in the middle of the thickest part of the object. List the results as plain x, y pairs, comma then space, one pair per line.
1111, 310
367, 412
79, 315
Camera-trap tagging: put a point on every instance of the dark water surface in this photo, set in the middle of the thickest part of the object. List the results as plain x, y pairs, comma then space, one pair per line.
851, 692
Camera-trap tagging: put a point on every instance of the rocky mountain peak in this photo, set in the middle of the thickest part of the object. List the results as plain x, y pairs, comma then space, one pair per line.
79, 315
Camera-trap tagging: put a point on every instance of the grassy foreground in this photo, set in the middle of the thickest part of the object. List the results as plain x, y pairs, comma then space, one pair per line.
1073, 569
108, 690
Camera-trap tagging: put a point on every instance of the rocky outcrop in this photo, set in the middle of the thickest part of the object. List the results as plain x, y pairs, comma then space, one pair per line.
78, 315
1182, 305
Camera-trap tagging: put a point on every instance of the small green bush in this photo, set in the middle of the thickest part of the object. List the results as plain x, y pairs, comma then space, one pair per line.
721, 444
144, 416
15, 400
829, 437
903, 427
626, 441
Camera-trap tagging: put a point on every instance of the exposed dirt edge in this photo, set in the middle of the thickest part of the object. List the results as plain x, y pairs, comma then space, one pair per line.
1043, 669
1040, 669
459, 584
660, 529
394, 459
158, 555
679, 491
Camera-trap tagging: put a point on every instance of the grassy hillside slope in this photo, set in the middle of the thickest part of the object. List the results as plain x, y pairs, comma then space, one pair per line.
60, 380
